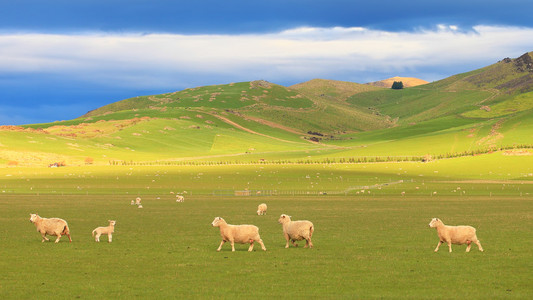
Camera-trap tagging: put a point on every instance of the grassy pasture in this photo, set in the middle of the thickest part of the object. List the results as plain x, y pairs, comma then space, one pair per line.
368, 247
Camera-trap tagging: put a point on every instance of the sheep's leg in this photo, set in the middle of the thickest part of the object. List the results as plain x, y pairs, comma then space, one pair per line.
58, 237
97, 237
469, 244
260, 241
251, 246
449, 246
232, 245
438, 245
287, 239
293, 243
43, 234
478, 245
110, 236
221, 243
308, 243
69, 239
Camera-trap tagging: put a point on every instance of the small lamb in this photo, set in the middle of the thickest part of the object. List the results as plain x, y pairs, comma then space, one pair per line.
296, 231
97, 232
180, 198
261, 209
241, 234
455, 235
138, 201
50, 226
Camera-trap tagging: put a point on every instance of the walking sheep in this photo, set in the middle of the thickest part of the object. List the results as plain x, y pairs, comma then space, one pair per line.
180, 198
97, 232
50, 226
241, 234
297, 231
261, 209
455, 235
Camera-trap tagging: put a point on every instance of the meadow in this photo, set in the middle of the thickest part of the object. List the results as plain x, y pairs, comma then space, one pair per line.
371, 244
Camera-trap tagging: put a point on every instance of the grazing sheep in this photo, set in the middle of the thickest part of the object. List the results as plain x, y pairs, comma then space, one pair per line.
97, 232
241, 234
180, 198
455, 235
138, 200
140, 206
261, 209
297, 231
50, 226
132, 202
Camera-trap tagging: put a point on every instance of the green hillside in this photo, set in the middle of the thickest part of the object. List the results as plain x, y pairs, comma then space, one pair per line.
318, 120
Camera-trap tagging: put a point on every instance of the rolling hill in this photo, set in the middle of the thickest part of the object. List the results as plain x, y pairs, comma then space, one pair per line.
318, 120
407, 82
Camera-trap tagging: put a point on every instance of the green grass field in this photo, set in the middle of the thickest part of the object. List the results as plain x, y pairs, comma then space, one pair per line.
370, 247
375, 244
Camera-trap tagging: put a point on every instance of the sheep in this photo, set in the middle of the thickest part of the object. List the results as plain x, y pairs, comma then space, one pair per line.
138, 200
50, 226
140, 206
455, 235
97, 232
132, 202
241, 234
180, 198
297, 231
261, 209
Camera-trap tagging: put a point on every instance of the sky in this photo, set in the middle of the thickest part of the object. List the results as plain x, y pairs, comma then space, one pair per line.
60, 59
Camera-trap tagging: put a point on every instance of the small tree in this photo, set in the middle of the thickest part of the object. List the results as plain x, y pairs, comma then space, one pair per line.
397, 85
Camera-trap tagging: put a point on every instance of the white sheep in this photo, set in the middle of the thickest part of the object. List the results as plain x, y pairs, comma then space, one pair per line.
132, 202
455, 235
261, 209
297, 231
97, 232
138, 201
180, 198
50, 226
241, 234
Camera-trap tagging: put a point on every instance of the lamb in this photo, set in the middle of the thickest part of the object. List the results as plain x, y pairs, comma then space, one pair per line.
455, 235
50, 226
138, 201
261, 209
296, 231
97, 232
180, 198
241, 234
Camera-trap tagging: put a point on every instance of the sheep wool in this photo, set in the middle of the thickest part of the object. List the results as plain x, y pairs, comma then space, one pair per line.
241, 234
457, 235
297, 231
97, 232
261, 209
50, 226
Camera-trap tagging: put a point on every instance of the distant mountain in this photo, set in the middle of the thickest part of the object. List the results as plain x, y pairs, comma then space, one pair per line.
480, 110
407, 82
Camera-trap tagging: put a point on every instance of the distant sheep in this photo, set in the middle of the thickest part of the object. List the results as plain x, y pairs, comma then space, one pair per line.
261, 209
297, 231
132, 202
180, 198
241, 234
97, 232
138, 201
455, 235
50, 226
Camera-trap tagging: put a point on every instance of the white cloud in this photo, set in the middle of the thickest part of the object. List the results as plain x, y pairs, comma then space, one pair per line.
307, 52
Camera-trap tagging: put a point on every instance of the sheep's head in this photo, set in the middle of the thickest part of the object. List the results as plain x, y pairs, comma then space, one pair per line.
258, 212
112, 222
33, 217
284, 219
434, 222
216, 222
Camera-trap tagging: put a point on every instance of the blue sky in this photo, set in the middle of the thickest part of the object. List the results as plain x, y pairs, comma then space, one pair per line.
60, 59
